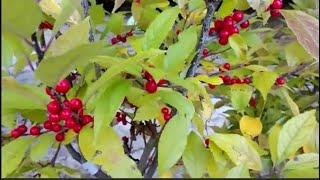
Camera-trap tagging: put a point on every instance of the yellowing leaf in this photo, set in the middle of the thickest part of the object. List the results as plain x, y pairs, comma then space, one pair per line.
256, 146
40, 149
296, 54
250, 126
48, 172
301, 173
312, 143
86, 144
209, 80
309, 160
238, 149
50, 7
273, 142
218, 163
306, 29
149, 110
263, 81
294, 133
240, 96
290, 103
226, 8
67, 9
239, 46
240, 171
242, 5
69, 136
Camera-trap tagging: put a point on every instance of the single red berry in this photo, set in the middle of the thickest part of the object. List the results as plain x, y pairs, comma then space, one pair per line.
280, 81
223, 41
119, 119
86, 119
253, 102
45, 25
77, 128
245, 24
227, 66
23, 129
132, 105
224, 34
165, 110
275, 13
147, 75
123, 39
47, 125
233, 81
48, 91
129, 34
151, 86
238, 16
59, 137
123, 116
118, 114
65, 114
70, 123
15, 133
63, 86
207, 141
218, 25
114, 41
233, 30
211, 31
247, 80
205, 52
75, 104
124, 122
54, 118
277, 4
178, 31
238, 81
80, 112
227, 22
34, 131
211, 86
119, 37
66, 103
124, 139
162, 82
166, 117
56, 127
226, 78
53, 107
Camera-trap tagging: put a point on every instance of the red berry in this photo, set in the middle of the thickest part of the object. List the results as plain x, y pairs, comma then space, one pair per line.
226, 78
223, 41
233, 81
47, 125
165, 110
277, 4
123, 116
132, 105
238, 81
218, 25
162, 82
224, 34
65, 114
205, 52
35, 131
129, 34
211, 86
86, 119
147, 75
227, 22
118, 114
178, 31
53, 107
45, 25
166, 117
15, 133
59, 137
114, 41
119, 119
227, 66
151, 86
253, 102
123, 39
70, 123
247, 80
233, 30
54, 118
207, 141
119, 37
124, 122
275, 13
23, 129
245, 24
211, 31
75, 104
280, 81
63, 86
77, 128
48, 91
238, 16
56, 127
124, 139
80, 112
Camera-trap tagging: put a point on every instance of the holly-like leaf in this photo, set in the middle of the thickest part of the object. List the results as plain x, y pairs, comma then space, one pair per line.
263, 81
13, 153
40, 149
294, 133
306, 29
240, 171
239, 46
195, 156
226, 8
238, 149
273, 142
240, 96
159, 28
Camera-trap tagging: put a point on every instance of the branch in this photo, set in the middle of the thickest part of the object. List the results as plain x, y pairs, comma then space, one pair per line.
36, 47
55, 155
142, 165
298, 69
153, 167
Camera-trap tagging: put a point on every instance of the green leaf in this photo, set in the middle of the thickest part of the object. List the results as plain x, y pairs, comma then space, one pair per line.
242, 5
147, 16
30, 97
97, 14
240, 171
296, 54
35, 115
209, 80
218, 167
49, 172
257, 68
159, 28
256, 146
8, 117
263, 81
239, 46
226, 8
67, 8
195, 156
13, 153
238, 149
294, 132
283, 93
310, 160
40, 149
312, 143
306, 29
113, 23
86, 143
7, 51
302, 173
196, 4
22, 18
149, 110
74, 37
273, 140
240, 96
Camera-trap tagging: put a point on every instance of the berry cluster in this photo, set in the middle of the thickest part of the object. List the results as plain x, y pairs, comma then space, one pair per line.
121, 117
151, 86
226, 27
274, 8
119, 38
45, 25
166, 113
227, 80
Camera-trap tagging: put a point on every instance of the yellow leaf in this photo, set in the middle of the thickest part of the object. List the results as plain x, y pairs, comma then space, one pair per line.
69, 137
50, 7
210, 80
250, 126
166, 175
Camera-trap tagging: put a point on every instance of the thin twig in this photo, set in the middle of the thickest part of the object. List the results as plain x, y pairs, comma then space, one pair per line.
55, 155
36, 47
29, 63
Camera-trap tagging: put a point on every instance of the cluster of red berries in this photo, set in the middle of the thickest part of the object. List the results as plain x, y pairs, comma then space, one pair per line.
45, 25
230, 81
121, 117
166, 113
119, 38
226, 27
274, 8
151, 86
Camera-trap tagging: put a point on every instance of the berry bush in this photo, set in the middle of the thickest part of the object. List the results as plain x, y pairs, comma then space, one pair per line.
154, 69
